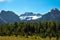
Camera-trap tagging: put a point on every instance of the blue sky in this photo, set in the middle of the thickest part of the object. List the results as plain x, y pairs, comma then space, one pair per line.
22, 6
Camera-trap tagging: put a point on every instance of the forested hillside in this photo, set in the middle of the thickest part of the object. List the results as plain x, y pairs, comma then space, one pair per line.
43, 29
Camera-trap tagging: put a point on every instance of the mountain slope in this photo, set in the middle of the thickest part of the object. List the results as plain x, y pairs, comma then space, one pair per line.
2, 21
53, 15
9, 16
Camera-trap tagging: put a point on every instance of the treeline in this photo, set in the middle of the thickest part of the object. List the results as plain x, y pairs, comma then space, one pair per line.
42, 29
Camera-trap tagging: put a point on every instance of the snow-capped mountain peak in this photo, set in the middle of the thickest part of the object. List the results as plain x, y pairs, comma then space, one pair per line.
30, 16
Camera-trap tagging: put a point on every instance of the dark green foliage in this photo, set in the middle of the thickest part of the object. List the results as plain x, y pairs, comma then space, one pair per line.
42, 29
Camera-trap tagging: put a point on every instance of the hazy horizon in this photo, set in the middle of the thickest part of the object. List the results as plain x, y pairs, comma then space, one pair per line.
35, 6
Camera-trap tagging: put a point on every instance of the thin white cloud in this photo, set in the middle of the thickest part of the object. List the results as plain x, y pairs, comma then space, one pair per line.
2, 0
5, 0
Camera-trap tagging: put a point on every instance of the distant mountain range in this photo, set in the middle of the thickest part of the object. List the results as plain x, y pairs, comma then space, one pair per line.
11, 17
